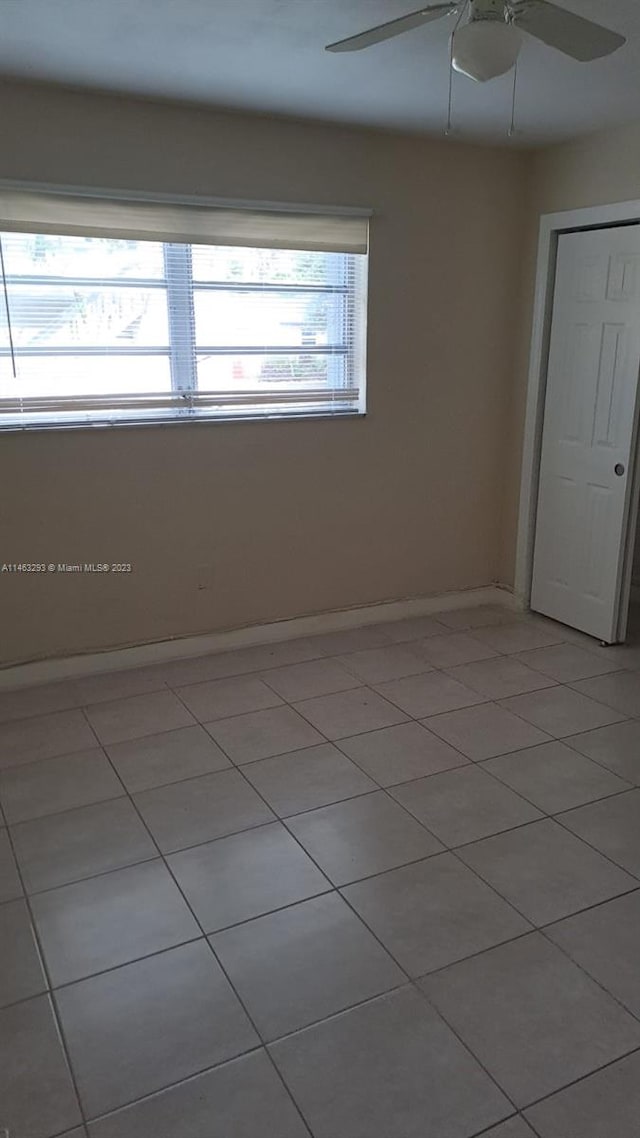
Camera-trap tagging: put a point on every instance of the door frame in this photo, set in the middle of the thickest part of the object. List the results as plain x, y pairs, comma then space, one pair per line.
551, 226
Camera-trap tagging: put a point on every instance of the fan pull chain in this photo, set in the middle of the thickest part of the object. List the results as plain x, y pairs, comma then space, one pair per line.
450, 101
449, 126
512, 124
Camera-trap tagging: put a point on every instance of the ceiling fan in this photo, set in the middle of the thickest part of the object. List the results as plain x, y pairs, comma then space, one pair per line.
488, 43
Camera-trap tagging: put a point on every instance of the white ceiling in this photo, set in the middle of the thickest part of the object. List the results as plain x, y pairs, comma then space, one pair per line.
267, 55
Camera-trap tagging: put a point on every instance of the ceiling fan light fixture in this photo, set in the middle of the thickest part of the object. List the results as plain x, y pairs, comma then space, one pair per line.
484, 49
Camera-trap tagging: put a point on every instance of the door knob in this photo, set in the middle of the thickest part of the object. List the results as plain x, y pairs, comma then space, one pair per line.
619, 469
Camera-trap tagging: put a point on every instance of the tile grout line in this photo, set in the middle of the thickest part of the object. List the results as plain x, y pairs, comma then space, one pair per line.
610, 707
360, 920
48, 758
545, 816
260, 1049
282, 819
263, 1047
211, 949
454, 1031
482, 763
166, 685
385, 949
543, 1098
515, 619
384, 790
512, 616
49, 993
542, 929
332, 888
92, 876
547, 924
622, 717
467, 761
488, 1130
607, 857
576, 1082
104, 971
498, 702
599, 762
68, 810
565, 952
368, 793
410, 979
534, 927
121, 1107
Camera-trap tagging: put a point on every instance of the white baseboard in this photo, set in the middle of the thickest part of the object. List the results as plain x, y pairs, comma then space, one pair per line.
120, 659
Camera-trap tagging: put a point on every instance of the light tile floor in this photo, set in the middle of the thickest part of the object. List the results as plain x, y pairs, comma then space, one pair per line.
383, 883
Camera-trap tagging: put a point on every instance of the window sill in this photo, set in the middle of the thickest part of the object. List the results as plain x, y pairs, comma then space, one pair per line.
173, 421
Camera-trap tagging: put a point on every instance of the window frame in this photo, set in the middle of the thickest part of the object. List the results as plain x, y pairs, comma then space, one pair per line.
182, 350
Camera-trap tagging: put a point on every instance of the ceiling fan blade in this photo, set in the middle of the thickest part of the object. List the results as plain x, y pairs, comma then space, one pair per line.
392, 28
575, 36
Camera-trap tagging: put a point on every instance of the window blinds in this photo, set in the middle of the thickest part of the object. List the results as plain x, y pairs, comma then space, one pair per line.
275, 227
263, 315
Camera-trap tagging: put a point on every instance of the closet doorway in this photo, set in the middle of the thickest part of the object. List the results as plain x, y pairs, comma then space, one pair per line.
579, 499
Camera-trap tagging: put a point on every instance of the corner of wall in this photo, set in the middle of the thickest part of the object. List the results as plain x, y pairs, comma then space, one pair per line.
513, 424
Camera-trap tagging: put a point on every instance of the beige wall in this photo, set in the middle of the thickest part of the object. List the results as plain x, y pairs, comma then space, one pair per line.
234, 524
602, 168
596, 170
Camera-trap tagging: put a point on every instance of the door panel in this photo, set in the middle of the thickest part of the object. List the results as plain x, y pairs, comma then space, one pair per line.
589, 428
608, 427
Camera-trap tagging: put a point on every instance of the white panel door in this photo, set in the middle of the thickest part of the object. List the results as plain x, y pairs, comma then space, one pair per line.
589, 430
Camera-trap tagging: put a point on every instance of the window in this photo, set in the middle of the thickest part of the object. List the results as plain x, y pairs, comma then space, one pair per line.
121, 328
